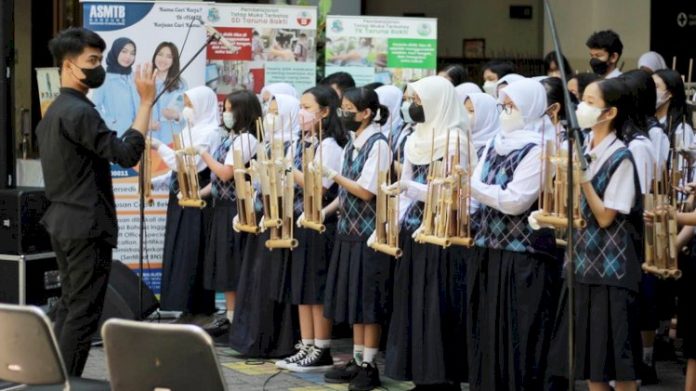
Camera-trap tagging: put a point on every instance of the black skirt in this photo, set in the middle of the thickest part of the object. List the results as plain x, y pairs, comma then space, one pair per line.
358, 283
426, 342
511, 300
310, 264
262, 327
686, 326
185, 237
607, 334
223, 257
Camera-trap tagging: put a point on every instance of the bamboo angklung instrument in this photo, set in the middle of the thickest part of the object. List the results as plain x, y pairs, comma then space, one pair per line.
313, 187
146, 167
387, 214
661, 238
446, 210
244, 192
554, 188
187, 171
278, 197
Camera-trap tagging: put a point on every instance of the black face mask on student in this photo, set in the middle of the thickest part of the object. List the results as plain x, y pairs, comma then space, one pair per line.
599, 67
417, 113
349, 122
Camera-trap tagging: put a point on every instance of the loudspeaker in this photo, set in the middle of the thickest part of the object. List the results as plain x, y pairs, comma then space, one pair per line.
21, 210
121, 299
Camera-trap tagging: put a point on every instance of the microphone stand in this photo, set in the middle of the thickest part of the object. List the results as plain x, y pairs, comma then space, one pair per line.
574, 137
141, 175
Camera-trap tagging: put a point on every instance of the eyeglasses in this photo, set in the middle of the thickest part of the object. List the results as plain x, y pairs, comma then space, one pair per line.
507, 108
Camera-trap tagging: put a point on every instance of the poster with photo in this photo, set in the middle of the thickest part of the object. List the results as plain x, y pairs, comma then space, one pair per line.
390, 50
275, 44
164, 34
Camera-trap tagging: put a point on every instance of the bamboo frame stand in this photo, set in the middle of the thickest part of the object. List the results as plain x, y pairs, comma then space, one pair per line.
187, 174
313, 188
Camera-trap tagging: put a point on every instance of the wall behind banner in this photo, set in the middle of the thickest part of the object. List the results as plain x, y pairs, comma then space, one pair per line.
462, 19
576, 20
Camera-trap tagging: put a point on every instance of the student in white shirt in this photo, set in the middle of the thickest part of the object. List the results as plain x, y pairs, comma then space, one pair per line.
358, 283
607, 263
509, 276
605, 51
310, 260
425, 343
672, 111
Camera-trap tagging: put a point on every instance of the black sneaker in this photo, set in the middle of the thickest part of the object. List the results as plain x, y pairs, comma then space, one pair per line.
367, 378
302, 352
342, 374
317, 360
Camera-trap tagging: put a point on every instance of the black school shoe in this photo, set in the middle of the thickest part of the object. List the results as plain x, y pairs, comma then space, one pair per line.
367, 378
342, 374
317, 360
648, 374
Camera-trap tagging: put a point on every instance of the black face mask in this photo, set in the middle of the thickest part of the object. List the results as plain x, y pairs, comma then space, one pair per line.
599, 67
349, 122
417, 113
94, 77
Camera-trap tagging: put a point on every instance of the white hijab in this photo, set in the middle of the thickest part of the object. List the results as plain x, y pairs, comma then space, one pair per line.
281, 88
486, 124
444, 114
466, 88
652, 60
205, 109
391, 96
530, 98
288, 109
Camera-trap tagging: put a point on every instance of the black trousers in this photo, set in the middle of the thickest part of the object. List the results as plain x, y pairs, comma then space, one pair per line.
84, 266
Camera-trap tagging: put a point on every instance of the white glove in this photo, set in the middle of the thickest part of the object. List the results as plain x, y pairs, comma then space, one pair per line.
416, 232
326, 172
395, 188
155, 143
262, 226
534, 223
586, 176
300, 220
372, 238
178, 195
235, 223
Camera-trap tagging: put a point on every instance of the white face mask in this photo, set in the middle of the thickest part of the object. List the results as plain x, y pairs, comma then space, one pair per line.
588, 116
511, 122
189, 115
489, 87
662, 98
228, 119
404, 112
471, 118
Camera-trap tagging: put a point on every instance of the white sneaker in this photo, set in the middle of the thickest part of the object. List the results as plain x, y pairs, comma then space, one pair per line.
302, 352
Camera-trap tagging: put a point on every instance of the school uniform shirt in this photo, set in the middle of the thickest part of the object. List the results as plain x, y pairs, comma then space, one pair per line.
683, 134
76, 148
620, 194
246, 143
644, 156
661, 146
326, 154
368, 177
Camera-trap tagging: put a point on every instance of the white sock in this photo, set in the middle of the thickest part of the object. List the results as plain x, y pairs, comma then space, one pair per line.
648, 356
370, 355
308, 342
322, 343
358, 353
230, 315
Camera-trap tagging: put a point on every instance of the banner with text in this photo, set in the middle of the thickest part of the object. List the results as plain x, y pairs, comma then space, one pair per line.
166, 35
390, 50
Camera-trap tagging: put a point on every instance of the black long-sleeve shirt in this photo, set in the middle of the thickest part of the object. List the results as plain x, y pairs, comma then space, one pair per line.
76, 148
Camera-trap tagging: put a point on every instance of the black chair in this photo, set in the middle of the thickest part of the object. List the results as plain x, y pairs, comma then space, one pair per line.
148, 356
29, 354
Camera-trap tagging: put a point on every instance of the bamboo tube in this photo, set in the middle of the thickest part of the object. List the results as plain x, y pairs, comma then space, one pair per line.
432, 239
281, 243
319, 227
386, 249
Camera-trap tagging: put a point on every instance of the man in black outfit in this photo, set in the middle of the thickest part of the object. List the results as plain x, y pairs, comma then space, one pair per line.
76, 149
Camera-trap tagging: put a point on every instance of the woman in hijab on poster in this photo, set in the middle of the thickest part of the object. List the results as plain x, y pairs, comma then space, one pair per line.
166, 114
117, 99
186, 230
425, 343
511, 286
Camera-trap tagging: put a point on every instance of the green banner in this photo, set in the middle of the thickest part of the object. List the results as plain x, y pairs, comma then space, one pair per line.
412, 53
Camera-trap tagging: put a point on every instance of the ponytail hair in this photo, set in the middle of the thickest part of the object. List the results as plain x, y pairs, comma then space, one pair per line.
364, 98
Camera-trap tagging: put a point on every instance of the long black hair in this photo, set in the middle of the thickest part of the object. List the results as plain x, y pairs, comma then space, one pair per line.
584, 79
678, 110
174, 69
641, 89
551, 58
616, 94
500, 68
246, 109
326, 97
363, 98
456, 73
554, 94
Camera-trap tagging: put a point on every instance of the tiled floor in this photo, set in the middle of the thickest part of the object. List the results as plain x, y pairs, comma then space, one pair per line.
242, 374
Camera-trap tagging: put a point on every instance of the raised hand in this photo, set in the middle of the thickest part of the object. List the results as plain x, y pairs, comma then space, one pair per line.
145, 76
